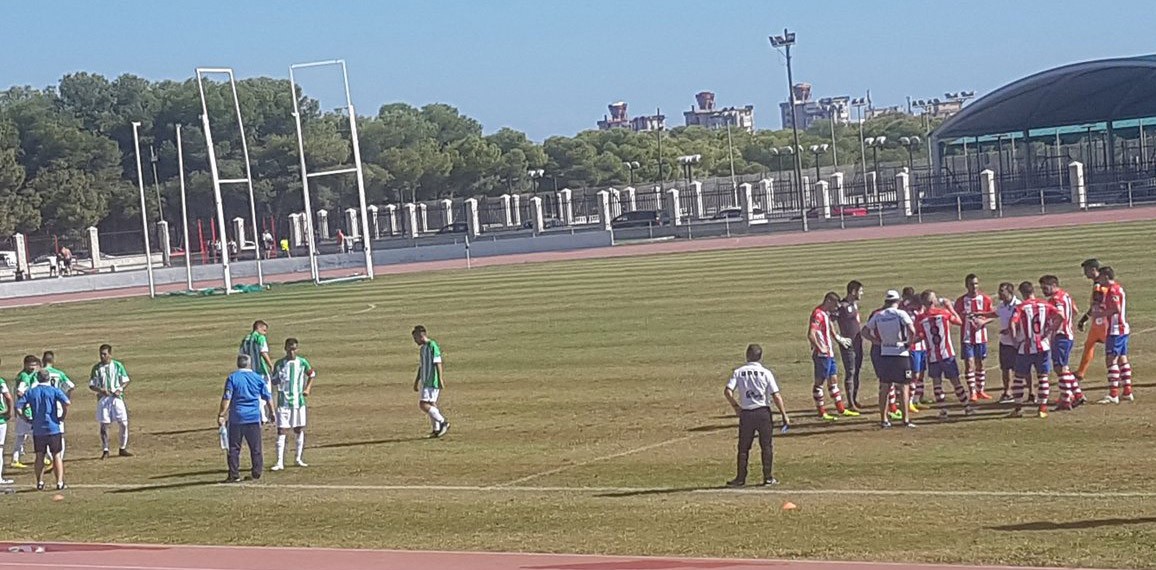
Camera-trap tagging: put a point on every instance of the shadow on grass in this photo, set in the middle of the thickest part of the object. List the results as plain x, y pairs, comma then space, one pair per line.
167, 486
374, 442
654, 492
186, 474
866, 422
1072, 525
646, 564
184, 431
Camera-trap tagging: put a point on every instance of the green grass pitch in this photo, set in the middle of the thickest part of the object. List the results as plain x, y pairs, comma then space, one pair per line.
572, 383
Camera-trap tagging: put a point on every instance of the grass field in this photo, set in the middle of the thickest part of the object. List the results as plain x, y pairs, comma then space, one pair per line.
587, 411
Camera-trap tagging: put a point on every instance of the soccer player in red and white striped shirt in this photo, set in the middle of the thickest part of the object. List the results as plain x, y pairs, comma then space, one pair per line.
1034, 323
972, 308
1070, 393
914, 308
823, 338
934, 328
1115, 310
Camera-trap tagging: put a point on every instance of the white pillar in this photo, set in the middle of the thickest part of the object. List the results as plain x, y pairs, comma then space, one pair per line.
322, 224
615, 202
658, 198
507, 215
604, 209
391, 219
824, 193
166, 243
837, 188
1079, 185
423, 217
352, 223
566, 204
872, 184
696, 188
447, 211
536, 215
516, 209
903, 192
472, 225
746, 193
767, 188
987, 186
374, 221
630, 199
675, 207
21, 245
94, 246
806, 194
296, 236
239, 233
411, 220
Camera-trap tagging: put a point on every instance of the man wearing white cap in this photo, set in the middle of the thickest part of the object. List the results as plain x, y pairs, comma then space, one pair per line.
891, 330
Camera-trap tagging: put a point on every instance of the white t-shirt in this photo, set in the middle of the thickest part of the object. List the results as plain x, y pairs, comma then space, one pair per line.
1006, 311
753, 384
891, 325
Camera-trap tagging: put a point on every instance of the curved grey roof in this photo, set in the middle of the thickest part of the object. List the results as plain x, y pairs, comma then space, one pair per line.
1088, 92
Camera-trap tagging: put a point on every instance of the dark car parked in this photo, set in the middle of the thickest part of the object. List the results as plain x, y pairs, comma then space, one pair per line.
733, 213
640, 219
455, 228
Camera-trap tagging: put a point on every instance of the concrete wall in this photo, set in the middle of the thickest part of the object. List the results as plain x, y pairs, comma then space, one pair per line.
246, 271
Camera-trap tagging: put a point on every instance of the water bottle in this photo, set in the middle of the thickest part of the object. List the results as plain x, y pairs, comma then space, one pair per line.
224, 433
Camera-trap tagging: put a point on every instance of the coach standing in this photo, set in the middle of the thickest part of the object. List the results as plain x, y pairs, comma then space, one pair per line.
754, 384
892, 331
847, 315
245, 390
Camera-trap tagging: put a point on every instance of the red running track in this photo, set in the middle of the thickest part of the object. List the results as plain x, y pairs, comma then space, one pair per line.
673, 246
139, 557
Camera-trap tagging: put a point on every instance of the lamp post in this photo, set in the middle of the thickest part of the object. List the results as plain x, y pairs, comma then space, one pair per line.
535, 175
831, 109
786, 41
688, 161
790, 151
778, 158
632, 165
156, 182
859, 103
875, 143
658, 133
818, 150
911, 143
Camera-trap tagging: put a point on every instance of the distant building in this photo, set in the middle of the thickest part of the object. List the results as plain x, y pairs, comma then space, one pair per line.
713, 118
808, 111
618, 119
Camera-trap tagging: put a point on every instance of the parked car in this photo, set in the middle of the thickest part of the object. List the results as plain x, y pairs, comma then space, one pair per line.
455, 228
733, 213
640, 219
950, 202
8, 259
836, 211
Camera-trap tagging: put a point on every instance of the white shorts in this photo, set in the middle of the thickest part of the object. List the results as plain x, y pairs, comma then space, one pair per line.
111, 409
290, 418
3, 435
429, 395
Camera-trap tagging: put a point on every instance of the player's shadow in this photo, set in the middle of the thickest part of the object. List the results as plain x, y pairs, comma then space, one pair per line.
1073, 525
184, 431
343, 444
165, 486
186, 474
653, 492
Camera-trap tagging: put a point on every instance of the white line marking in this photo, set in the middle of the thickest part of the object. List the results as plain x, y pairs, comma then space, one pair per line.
100, 566
599, 459
658, 490
365, 310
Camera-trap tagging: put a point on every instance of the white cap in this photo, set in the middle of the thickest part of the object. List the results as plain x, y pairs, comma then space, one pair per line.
892, 295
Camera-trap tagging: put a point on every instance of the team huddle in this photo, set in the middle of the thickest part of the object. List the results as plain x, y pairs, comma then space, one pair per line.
911, 338
43, 397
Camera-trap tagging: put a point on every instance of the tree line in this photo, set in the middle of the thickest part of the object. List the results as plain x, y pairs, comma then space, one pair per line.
67, 157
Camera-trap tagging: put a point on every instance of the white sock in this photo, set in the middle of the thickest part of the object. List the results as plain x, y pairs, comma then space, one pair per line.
124, 435
300, 445
280, 449
436, 416
104, 436
1, 460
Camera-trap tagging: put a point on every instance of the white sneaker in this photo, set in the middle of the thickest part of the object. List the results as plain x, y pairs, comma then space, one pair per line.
6, 481
1129, 397
278, 467
1109, 400
302, 463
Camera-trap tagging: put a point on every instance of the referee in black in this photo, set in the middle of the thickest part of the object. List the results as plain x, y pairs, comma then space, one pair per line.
753, 383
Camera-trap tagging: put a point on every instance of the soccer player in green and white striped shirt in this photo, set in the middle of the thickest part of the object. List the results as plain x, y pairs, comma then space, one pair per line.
5, 415
293, 377
60, 380
108, 379
430, 380
25, 380
256, 346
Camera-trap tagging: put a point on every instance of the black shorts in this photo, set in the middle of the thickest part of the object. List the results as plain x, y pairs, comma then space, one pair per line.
1007, 357
48, 443
893, 369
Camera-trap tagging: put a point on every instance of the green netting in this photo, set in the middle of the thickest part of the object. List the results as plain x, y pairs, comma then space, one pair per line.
237, 288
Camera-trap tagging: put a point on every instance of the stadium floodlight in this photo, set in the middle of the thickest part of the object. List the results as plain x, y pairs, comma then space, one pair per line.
144, 219
214, 170
356, 169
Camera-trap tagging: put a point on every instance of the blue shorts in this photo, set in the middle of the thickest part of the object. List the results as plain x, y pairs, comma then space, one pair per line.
918, 361
824, 367
1041, 361
1061, 351
948, 368
1117, 345
973, 351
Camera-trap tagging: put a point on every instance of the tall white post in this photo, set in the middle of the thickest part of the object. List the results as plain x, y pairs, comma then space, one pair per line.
239, 234
222, 229
615, 202
630, 199
472, 225
143, 214
21, 245
806, 194
696, 189
536, 214
447, 206
1079, 185
516, 209
411, 220
351, 222
824, 193
93, 247
837, 188
507, 215
165, 244
746, 192
903, 186
184, 213
675, 207
296, 232
374, 222
604, 209
658, 198
565, 198
423, 217
391, 219
323, 223
987, 184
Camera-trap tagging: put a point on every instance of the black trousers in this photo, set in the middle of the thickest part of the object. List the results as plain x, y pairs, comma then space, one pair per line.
251, 433
751, 422
852, 367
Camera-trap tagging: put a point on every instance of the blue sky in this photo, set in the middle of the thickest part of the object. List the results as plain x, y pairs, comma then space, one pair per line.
550, 67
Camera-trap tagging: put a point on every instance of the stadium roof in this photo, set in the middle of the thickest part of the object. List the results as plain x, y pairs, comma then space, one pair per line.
1089, 92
